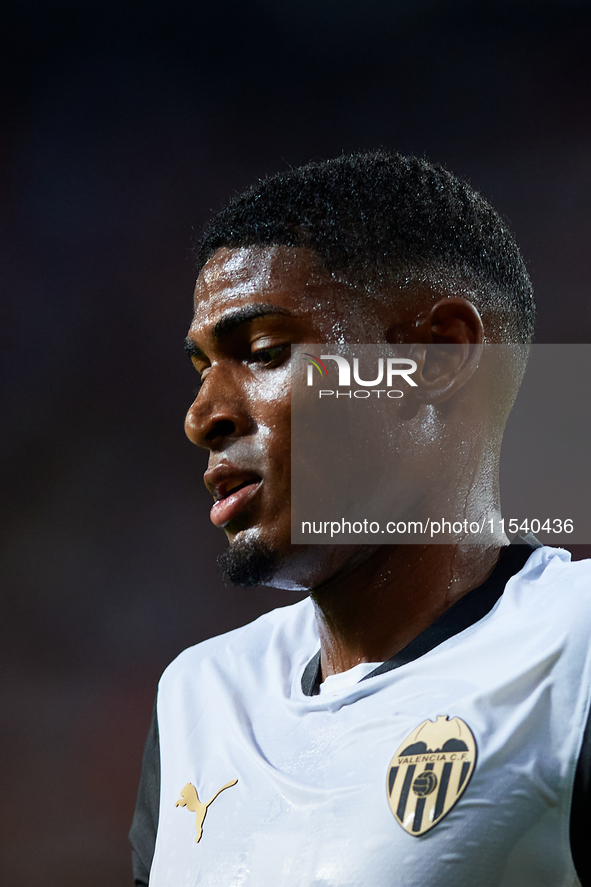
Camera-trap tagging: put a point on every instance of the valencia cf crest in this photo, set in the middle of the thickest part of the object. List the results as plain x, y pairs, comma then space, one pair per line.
430, 772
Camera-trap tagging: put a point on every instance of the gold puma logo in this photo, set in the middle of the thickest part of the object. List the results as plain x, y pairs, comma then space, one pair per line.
190, 799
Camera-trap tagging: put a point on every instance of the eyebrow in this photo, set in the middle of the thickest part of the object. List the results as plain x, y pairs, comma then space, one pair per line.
227, 324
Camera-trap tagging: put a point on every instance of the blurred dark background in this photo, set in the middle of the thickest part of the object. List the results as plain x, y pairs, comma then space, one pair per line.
123, 126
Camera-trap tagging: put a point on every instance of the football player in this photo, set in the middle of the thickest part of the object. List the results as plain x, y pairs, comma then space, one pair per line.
421, 717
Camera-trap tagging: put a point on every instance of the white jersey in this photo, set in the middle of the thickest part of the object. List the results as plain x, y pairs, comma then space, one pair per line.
453, 769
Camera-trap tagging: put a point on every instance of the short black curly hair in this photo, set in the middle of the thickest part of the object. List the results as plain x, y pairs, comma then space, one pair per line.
380, 219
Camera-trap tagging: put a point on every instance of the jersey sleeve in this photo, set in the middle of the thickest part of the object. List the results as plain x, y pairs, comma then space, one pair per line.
144, 826
580, 819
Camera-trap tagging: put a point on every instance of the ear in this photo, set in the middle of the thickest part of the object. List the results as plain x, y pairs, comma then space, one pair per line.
452, 335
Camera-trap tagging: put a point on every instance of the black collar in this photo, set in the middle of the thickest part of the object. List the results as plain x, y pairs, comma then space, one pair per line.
469, 609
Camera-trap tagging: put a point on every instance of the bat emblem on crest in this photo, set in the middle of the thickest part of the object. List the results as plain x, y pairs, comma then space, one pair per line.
430, 772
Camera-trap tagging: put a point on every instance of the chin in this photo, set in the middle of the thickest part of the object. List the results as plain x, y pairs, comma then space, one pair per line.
249, 561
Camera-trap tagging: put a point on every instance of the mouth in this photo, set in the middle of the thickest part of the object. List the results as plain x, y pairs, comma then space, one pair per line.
232, 494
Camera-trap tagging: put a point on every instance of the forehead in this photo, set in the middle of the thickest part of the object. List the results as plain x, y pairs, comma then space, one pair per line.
282, 275
325, 308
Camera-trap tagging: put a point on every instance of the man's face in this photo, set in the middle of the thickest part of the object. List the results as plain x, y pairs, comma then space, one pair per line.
251, 305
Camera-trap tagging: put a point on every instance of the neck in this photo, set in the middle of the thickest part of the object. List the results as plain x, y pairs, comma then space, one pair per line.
372, 611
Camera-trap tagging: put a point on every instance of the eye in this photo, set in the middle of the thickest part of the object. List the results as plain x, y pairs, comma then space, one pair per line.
269, 356
202, 374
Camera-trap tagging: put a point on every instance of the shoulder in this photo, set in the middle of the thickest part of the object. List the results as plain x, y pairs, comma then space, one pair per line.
553, 591
284, 638
551, 570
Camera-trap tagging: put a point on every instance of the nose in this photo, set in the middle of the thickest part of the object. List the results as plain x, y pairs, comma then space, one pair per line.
218, 413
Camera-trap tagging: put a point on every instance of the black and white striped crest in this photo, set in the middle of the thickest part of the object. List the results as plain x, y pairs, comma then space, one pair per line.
430, 772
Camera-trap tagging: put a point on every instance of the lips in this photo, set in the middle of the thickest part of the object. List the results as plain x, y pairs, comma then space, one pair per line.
232, 488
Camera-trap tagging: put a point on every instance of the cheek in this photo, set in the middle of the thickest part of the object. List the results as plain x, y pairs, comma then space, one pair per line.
274, 388
273, 430
276, 444
276, 501
273, 420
